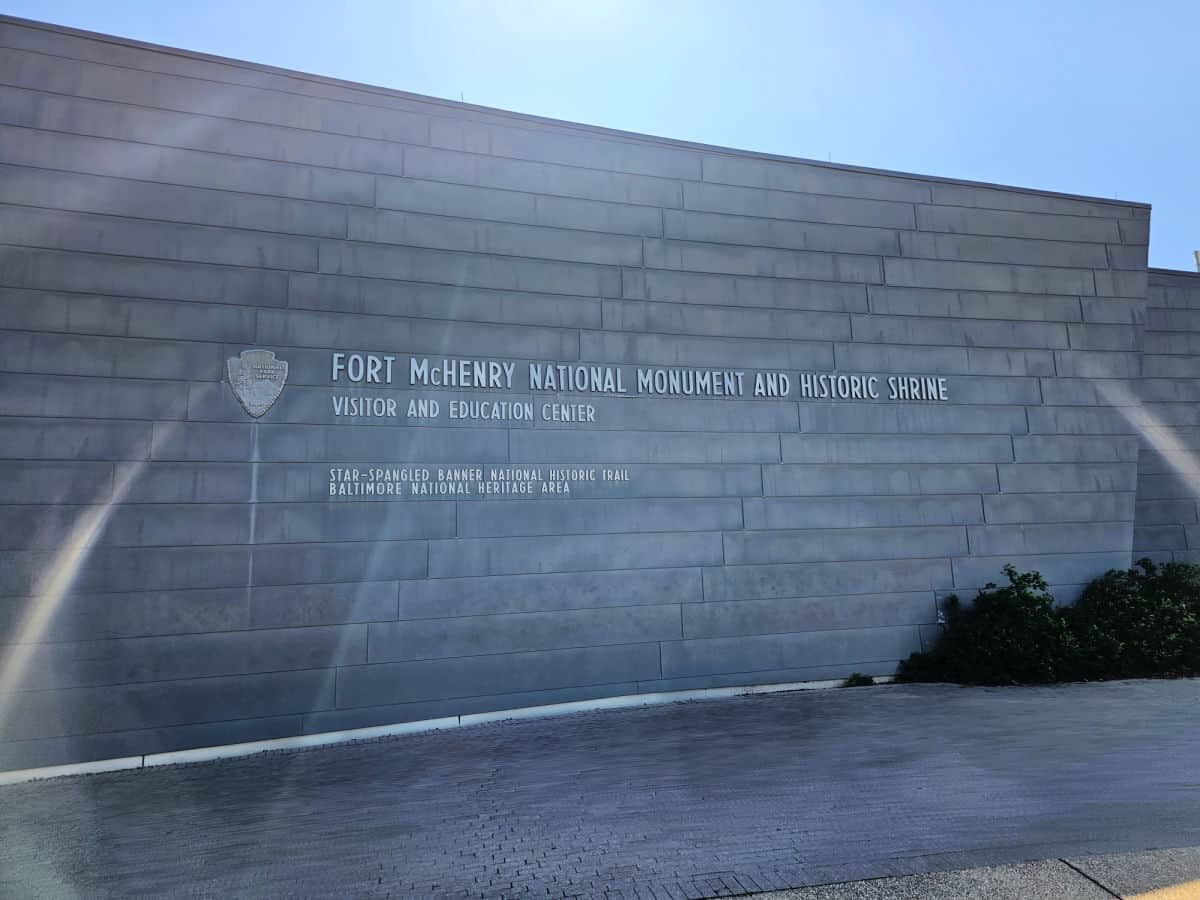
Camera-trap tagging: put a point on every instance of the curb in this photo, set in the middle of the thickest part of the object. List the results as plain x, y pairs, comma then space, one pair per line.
329, 738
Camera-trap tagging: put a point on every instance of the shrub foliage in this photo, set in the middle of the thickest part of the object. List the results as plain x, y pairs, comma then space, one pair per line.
1139, 623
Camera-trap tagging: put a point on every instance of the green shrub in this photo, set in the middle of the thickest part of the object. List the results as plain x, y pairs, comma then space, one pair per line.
1139, 623
1010, 635
858, 679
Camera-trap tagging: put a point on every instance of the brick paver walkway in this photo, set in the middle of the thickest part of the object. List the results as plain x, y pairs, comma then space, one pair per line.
688, 800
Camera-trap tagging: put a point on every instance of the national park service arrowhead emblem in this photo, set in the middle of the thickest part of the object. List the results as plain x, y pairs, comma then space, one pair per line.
257, 378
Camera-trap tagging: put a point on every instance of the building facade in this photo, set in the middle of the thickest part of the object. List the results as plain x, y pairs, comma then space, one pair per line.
326, 406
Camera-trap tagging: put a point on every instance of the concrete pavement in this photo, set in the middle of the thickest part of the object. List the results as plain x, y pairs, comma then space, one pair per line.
1149, 875
689, 800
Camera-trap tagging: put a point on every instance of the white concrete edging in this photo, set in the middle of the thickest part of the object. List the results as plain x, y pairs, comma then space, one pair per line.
326, 738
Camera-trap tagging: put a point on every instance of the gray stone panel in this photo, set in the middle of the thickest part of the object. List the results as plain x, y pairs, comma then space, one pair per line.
862, 512
1170, 366
681, 318
297, 563
1114, 310
118, 569
1075, 537
82, 314
494, 675
493, 595
946, 332
583, 150
973, 276
1167, 390
41, 527
783, 651
1071, 448
65, 439
799, 207
303, 605
571, 553
1162, 512
163, 211
974, 389
689, 256
56, 354
34, 481
140, 88
522, 175
1127, 257
203, 441
1135, 231
27, 267
477, 270
35, 109
171, 165
1158, 538
731, 290
783, 615
167, 525
825, 417
900, 301
419, 710
173, 481
1076, 568
44, 714
115, 235
744, 230
943, 360
1004, 250
1104, 337
150, 200
1163, 318
889, 448
1115, 283
1083, 420
552, 517
642, 447
133, 742
1002, 223
858, 478
380, 297
68, 397
505, 239
284, 523
1166, 486
1096, 364
667, 349
1090, 392
809, 178
482, 635
1027, 201
1095, 477
782, 546
137, 613
464, 201
365, 444
150, 659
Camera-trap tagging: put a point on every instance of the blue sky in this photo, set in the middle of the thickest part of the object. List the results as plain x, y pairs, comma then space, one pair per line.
1096, 97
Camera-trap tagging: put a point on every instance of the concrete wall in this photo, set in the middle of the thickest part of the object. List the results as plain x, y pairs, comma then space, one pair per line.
1168, 473
174, 574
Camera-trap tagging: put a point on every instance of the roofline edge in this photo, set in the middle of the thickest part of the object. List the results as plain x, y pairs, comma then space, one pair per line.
544, 120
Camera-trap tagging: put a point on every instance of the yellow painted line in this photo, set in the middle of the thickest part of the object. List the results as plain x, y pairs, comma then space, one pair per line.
1189, 890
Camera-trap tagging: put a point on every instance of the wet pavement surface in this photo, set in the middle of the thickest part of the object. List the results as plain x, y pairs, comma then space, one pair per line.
700, 799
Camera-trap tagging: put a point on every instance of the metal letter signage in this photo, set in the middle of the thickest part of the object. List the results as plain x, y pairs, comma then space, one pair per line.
257, 378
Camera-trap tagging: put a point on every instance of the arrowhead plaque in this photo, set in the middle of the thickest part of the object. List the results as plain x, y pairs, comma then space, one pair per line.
257, 378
